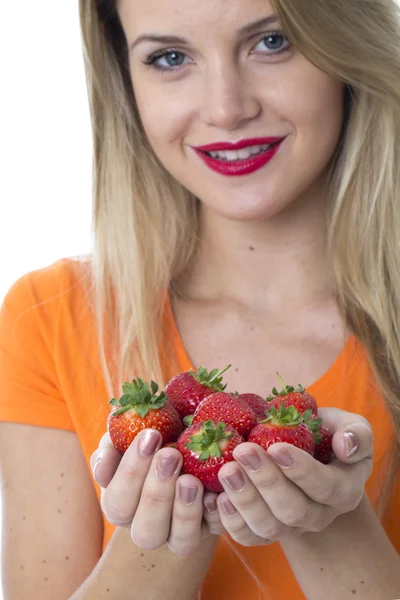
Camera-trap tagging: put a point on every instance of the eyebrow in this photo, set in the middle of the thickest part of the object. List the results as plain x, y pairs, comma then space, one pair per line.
173, 39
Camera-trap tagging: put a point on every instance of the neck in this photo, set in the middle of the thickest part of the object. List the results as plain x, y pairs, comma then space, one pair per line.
281, 261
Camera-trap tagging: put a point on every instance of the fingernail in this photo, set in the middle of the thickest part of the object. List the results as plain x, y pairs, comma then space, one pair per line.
187, 494
211, 505
350, 443
166, 465
282, 457
235, 480
251, 460
148, 442
96, 464
228, 507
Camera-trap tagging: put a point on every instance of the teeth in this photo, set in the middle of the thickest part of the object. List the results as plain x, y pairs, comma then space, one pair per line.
242, 154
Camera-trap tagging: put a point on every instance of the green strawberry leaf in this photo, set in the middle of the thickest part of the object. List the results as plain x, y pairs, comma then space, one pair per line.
142, 410
215, 450
188, 420
205, 455
121, 411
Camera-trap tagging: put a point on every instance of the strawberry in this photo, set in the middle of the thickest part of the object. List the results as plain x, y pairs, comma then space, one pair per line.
284, 425
297, 397
322, 437
205, 448
140, 408
256, 402
323, 449
188, 389
224, 407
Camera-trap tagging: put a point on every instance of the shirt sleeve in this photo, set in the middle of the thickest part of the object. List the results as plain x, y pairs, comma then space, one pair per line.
29, 390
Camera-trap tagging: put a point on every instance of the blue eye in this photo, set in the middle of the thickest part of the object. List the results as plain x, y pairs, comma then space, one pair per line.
274, 41
170, 58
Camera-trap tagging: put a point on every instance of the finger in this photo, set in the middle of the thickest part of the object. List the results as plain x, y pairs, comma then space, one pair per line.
187, 512
235, 525
121, 498
211, 514
337, 485
286, 501
104, 461
152, 519
353, 438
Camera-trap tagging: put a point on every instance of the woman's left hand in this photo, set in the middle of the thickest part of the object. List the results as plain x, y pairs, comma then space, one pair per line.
285, 491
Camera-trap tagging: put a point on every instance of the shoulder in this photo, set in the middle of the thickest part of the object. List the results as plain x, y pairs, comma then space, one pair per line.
42, 302
65, 281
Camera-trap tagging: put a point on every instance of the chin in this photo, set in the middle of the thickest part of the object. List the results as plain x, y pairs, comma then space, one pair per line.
247, 209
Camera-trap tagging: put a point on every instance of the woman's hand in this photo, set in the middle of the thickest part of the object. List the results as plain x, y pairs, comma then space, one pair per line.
284, 491
142, 490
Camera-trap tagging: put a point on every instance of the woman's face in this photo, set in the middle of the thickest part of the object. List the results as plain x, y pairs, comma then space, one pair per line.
217, 72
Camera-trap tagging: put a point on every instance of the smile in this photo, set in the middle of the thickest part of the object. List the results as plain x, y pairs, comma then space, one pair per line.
239, 158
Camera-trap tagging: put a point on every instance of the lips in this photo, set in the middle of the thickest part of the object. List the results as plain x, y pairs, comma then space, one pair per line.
242, 166
238, 145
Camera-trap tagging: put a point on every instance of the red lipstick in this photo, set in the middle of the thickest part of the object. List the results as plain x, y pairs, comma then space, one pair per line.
241, 166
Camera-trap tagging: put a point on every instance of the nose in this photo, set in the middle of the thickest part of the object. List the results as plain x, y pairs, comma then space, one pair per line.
229, 99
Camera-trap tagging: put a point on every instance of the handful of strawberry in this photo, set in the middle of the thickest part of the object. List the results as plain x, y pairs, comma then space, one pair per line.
217, 421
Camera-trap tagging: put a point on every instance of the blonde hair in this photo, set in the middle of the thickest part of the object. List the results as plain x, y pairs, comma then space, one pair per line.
145, 223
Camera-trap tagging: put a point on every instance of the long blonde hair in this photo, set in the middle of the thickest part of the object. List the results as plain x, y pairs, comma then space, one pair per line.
145, 223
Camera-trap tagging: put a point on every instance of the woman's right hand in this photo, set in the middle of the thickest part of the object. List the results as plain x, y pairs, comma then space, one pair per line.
144, 491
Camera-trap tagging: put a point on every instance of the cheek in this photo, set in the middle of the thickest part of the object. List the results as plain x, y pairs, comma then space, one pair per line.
165, 117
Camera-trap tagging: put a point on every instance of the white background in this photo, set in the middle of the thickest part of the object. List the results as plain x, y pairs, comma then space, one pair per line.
45, 140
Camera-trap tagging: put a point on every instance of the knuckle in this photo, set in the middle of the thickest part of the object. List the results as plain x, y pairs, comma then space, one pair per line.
269, 533
145, 542
298, 519
157, 495
269, 481
331, 493
187, 517
116, 516
182, 547
354, 500
248, 500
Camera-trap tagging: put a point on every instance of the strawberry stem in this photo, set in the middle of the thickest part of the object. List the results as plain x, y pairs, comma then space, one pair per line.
212, 379
207, 443
138, 395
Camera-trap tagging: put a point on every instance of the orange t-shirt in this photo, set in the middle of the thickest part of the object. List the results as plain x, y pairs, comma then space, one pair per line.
49, 358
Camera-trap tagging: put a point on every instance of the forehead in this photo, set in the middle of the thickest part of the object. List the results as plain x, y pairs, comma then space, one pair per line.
190, 15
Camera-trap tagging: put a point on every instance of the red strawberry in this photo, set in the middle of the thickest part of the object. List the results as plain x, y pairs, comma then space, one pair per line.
188, 389
224, 407
206, 447
140, 408
284, 425
322, 437
256, 402
323, 449
297, 397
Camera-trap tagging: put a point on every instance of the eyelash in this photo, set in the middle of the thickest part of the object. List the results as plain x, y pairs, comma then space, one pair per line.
152, 58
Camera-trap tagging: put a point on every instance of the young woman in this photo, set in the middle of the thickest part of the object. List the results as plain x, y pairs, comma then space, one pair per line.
247, 172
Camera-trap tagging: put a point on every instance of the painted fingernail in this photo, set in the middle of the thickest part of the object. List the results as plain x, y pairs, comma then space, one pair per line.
235, 480
282, 457
166, 465
228, 507
350, 443
96, 464
251, 460
211, 505
187, 493
148, 442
